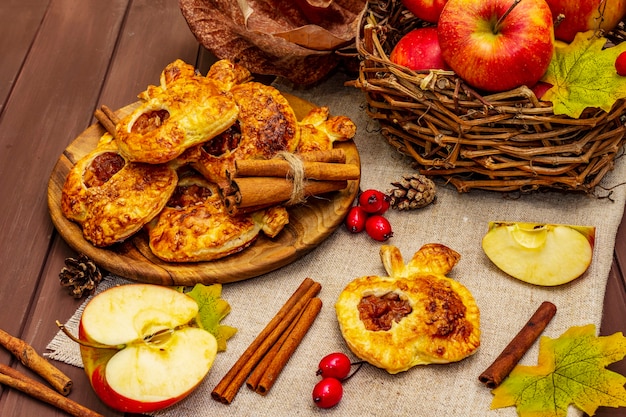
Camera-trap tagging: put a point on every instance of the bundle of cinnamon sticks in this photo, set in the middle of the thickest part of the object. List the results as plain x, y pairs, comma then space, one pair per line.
286, 179
262, 362
61, 383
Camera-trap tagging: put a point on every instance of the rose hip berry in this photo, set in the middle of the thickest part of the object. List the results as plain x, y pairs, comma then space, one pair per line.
335, 365
378, 228
372, 201
355, 220
327, 393
620, 64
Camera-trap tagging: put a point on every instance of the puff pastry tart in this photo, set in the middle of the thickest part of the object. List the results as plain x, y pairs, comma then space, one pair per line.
185, 110
265, 126
112, 198
414, 316
194, 226
318, 131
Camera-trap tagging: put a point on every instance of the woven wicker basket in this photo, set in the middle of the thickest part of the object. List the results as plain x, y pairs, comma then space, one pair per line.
508, 141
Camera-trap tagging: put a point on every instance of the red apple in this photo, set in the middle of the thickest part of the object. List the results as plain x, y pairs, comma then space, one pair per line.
540, 89
497, 45
620, 64
139, 350
419, 50
427, 10
584, 15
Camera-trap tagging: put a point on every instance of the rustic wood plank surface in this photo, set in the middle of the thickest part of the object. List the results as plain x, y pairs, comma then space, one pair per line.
61, 60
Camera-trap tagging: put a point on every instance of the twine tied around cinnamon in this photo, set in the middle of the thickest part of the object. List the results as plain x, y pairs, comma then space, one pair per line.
296, 175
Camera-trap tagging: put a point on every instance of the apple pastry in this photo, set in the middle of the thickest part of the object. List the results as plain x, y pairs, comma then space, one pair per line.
185, 110
319, 131
112, 198
266, 125
194, 226
414, 316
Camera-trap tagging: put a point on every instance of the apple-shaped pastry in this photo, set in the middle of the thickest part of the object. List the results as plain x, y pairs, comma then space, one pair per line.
139, 349
540, 254
414, 316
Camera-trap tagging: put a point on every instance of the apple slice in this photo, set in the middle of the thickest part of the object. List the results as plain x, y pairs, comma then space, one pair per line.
540, 254
139, 349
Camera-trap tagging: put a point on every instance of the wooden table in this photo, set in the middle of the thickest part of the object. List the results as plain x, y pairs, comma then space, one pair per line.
62, 59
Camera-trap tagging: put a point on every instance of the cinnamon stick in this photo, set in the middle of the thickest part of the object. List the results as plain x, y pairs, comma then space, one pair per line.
110, 114
268, 191
336, 155
259, 370
104, 120
276, 167
515, 350
29, 358
289, 346
15, 379
227, 388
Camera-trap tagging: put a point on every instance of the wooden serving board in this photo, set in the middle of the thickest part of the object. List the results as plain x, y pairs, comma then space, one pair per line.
309, 224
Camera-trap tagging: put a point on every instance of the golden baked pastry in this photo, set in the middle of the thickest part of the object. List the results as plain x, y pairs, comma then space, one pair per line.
265, 126
414, 316
185, 110
318, 131
194, 226
112, 198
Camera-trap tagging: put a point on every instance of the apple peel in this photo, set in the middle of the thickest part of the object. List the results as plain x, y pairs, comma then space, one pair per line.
540, 254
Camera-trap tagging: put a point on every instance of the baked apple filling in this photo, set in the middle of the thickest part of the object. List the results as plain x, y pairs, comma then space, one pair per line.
186, 196
378, 313
102, 168
149, 121
226, 141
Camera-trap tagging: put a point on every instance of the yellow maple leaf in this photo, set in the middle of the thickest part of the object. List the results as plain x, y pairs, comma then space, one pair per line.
571, 370
583, 75
211, 310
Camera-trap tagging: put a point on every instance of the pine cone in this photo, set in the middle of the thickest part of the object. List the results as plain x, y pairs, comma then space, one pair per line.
413, 191
80, 275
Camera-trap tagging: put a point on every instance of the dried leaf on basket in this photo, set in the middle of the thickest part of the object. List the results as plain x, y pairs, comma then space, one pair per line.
571, 370
296, 39
583, 75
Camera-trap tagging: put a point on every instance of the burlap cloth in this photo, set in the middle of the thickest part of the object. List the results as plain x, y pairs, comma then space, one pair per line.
456, 220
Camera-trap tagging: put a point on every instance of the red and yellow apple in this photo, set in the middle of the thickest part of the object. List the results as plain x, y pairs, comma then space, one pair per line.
427, 10
540, 254
583, 15
419, 50
139, 349
497, 45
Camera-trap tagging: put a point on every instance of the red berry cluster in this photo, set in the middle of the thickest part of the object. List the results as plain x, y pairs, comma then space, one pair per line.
334, 369
368, 215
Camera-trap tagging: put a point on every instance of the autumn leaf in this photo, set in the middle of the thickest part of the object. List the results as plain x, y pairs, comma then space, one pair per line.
212, 309
571, 370
583, 75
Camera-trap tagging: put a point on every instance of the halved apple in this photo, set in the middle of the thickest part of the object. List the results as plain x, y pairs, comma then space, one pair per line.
540, 254
139, 349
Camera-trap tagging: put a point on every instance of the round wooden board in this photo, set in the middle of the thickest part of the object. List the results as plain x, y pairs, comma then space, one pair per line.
309, 224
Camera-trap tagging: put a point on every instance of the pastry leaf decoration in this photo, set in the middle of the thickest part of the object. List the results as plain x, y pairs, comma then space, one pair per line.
571, 370
583, 75
212, 309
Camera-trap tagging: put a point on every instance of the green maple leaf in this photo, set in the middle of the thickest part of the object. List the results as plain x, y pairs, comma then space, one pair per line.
570, 370
583, 75
212, 309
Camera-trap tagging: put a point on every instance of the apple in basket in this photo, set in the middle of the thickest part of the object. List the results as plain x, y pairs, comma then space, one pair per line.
427, 10
419, 50
583, 15
139, 349
540, 254
497, 45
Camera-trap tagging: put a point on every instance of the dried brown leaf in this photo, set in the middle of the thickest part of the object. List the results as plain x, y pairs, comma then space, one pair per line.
296, 39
